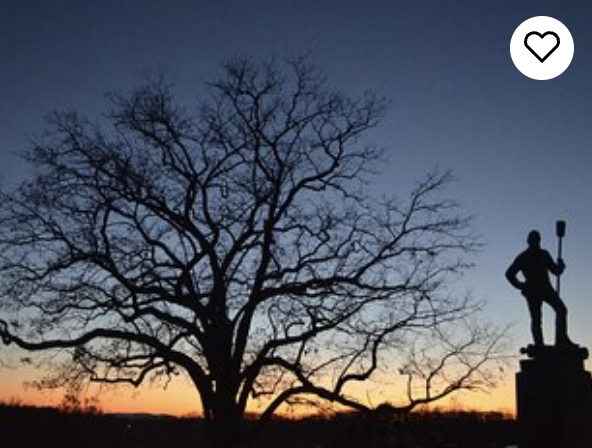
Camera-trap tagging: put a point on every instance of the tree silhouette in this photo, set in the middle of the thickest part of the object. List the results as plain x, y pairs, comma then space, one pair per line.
238, 244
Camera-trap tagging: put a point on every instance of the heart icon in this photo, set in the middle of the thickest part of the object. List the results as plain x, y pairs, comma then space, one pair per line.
544, 46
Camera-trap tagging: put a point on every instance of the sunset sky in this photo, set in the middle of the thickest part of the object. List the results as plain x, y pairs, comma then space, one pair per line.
518, 147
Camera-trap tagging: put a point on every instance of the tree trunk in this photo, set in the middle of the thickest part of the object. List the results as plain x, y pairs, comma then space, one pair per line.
225, 427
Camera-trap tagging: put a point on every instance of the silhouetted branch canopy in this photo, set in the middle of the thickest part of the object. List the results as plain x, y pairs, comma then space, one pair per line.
238, 241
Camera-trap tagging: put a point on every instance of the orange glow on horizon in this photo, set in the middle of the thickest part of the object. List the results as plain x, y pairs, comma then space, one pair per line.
180, 399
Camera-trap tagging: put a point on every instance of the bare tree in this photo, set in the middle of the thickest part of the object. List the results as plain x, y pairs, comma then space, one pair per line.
238, 244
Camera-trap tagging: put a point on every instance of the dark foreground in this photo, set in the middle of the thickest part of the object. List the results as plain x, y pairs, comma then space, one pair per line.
25, 427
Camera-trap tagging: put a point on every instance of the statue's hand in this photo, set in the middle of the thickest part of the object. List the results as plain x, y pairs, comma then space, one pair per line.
561, 263
521, 286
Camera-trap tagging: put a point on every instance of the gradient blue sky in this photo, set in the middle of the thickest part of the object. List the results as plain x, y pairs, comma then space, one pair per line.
518, 147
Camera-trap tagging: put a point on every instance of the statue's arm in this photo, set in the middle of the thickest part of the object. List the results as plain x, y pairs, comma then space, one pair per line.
555, 268
512, 275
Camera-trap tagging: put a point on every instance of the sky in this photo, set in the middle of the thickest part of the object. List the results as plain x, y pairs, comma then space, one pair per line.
518, 147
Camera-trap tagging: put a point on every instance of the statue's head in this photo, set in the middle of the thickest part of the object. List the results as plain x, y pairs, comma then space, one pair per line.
534, 239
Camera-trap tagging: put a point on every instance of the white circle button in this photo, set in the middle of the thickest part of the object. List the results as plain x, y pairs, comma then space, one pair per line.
542, 48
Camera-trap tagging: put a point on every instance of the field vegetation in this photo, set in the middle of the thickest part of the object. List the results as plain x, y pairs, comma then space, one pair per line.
24, 426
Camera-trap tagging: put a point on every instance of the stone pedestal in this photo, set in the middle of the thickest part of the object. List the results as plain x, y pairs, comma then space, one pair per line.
554, 398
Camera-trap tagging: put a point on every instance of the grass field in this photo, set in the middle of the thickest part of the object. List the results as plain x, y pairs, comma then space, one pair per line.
28, 427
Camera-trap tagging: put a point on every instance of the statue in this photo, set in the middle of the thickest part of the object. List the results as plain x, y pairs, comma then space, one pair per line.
553, 389
534, 265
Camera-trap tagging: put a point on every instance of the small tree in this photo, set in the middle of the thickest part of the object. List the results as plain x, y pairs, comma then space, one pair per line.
238, 244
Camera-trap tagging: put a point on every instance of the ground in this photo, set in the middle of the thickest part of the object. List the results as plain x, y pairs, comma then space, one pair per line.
27, 427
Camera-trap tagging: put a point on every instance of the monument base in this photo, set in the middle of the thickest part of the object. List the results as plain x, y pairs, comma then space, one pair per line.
554, 398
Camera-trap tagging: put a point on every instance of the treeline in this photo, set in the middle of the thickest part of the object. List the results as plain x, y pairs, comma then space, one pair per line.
37, 427
28, 427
